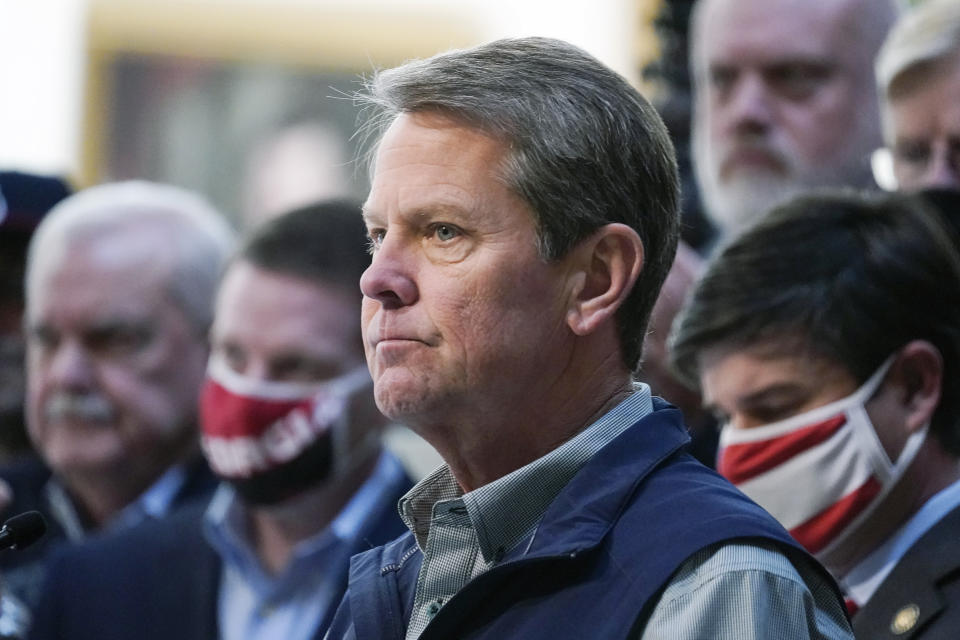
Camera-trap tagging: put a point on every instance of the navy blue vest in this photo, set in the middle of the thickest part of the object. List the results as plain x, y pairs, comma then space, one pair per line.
603, 553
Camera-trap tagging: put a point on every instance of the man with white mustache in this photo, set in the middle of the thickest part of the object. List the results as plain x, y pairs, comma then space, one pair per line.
784, 100
119, 287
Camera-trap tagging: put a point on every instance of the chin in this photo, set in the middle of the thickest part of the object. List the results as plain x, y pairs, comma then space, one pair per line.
744, 199
404, 400
85, 455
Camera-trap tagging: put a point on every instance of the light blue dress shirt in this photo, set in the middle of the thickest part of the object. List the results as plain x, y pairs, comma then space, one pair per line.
866, 577
255, 605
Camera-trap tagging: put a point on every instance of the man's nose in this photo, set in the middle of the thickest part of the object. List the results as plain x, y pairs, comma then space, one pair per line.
390, 278
70, 366
749, 106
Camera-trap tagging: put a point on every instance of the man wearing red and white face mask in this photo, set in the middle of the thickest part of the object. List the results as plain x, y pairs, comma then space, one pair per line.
288, 422
826, 340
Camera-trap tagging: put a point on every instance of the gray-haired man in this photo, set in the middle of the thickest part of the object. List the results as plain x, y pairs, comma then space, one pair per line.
522, 218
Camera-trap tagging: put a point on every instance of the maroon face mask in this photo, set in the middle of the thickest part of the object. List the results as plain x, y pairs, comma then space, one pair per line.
273, 440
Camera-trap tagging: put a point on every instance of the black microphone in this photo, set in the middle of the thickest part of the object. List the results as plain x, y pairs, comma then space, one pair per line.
22, 530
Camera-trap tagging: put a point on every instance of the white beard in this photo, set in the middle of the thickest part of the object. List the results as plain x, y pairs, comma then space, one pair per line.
739, 199
745, 197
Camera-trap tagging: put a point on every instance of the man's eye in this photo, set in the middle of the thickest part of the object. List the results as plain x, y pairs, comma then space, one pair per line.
119, 341
233, 356
722, 79
768, 415
721, 418
912, 153
798, 81
445, 232
375, 239
43, 337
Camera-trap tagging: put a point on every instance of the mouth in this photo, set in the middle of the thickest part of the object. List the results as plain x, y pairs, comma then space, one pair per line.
750, 159
78, 410
395, 350
396, 342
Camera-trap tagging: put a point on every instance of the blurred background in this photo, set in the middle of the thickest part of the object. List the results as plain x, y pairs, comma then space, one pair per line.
248, 101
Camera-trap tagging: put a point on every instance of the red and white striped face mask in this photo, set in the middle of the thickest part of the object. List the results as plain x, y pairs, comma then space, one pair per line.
820, 473
272, 440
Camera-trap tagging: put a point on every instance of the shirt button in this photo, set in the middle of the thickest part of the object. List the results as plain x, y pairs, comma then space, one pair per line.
434, 608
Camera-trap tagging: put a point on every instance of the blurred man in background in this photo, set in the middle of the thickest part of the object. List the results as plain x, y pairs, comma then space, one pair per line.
119, 285
290, 425
784, 100
918, 71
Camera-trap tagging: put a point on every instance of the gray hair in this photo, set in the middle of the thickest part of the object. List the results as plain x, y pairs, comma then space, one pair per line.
198, 239
586, 149
922, 39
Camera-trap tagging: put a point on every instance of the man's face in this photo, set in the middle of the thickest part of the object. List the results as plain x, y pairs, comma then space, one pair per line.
313, 334
312, 331
765, 383
114, 367
784, 100
923, 127
460, 314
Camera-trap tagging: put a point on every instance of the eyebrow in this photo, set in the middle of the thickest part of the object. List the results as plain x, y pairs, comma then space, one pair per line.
367, 214
420, 214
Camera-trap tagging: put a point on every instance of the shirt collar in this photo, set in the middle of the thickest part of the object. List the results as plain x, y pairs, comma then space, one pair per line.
225, 523
506, 511
155, 502
865, 578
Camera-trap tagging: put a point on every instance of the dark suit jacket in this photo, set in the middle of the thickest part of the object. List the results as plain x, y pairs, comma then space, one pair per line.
158, 581
23, 570
921, 596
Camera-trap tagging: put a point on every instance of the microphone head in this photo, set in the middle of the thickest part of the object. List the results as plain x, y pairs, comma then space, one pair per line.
24, 529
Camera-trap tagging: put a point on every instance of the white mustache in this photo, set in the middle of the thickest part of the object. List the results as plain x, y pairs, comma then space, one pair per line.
78, 406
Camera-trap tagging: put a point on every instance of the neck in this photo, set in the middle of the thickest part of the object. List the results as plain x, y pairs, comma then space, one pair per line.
277, 529
486, 444
932, 471
102, 492
99, 502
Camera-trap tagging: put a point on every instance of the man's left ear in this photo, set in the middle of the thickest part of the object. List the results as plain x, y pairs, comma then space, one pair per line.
607, 266
918, 371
